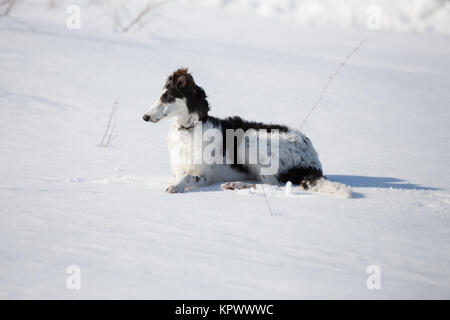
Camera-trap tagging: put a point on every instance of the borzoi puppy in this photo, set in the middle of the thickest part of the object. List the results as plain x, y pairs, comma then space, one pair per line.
292, 153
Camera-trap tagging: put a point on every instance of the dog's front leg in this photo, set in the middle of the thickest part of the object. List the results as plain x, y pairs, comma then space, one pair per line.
188, 182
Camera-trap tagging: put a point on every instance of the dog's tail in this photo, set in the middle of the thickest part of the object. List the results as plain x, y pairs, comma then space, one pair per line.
323, 185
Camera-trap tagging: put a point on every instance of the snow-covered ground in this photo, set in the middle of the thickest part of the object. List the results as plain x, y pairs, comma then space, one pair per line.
382, 128
399, 15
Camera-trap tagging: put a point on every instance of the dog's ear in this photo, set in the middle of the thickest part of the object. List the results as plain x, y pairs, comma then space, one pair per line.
182, 81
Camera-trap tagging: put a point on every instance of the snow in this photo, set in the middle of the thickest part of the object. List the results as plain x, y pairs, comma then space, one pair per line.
381, 128
400, 15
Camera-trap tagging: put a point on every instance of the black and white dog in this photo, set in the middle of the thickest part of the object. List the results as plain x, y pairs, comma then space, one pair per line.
185, 102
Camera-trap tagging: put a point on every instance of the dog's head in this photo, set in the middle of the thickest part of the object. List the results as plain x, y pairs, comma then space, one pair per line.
181, 98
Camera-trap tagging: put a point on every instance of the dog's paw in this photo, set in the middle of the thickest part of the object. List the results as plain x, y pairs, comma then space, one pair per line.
174, 189
237, 185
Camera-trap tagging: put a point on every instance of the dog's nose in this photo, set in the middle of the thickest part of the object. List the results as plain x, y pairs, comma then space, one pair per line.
146, 117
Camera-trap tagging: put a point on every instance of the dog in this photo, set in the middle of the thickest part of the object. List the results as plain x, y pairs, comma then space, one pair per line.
186, 104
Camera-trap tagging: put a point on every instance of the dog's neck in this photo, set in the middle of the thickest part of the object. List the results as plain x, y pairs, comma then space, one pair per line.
187, 122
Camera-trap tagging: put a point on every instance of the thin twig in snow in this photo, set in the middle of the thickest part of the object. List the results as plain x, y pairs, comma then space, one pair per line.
265, 196
108, 134
123, 19
6, 7
330, 79
146, 10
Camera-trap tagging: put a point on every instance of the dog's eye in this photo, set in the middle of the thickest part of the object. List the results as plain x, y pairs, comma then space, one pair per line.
164, 96
177, 93
167, 97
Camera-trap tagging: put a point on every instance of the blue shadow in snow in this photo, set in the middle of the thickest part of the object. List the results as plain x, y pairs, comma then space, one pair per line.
377, 182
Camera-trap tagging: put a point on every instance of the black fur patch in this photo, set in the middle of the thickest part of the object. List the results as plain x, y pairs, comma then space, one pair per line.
305, 177
236, 123
239, 123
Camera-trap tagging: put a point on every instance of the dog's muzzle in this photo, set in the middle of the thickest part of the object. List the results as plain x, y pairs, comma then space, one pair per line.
147, 118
